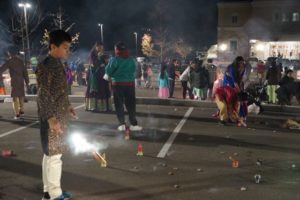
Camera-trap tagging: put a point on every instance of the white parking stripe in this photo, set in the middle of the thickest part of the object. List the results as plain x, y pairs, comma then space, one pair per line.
18, 129
163, 152
29, 125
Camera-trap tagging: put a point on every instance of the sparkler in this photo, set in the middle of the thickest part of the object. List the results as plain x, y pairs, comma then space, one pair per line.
81, 145
100, 158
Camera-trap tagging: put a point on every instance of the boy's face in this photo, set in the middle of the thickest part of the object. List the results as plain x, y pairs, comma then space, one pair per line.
62, 51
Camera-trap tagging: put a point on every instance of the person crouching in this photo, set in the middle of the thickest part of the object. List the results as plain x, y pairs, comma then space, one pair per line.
226, 99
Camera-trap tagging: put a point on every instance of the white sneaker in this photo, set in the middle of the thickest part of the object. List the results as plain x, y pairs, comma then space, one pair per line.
136, 128
17, 117
122, 127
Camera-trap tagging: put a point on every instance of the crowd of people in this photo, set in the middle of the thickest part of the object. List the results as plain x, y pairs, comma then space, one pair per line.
118, 76
230, 87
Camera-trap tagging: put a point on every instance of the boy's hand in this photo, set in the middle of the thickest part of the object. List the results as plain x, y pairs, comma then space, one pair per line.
106, 77
72, 112
55, 126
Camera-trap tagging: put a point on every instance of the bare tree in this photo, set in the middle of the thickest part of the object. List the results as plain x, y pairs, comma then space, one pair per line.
148, 45
160, 30
60, 21
16, 27
182, 48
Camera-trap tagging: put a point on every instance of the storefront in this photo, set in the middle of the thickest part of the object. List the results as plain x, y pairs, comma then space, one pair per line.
283, 49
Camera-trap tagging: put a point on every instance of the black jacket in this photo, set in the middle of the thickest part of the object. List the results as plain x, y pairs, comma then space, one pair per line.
200, 77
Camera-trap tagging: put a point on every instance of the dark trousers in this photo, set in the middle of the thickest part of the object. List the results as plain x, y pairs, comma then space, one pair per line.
44, 126
186, 88
125, 94
171, 87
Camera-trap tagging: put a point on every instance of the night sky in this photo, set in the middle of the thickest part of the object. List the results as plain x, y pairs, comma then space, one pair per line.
193, 20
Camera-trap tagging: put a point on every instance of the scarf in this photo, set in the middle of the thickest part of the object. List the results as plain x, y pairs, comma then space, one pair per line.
122, 53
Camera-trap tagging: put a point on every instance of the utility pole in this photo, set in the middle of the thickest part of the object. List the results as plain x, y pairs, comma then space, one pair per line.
27, 52
136, 51
101, 29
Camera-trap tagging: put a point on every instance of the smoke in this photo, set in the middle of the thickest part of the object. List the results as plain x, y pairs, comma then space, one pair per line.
258, 28
79, 144
5, 41
82, 54
195, 21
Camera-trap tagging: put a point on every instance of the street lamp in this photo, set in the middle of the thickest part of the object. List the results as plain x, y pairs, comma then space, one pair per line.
223, 47
25, 6
135, 34
101, 27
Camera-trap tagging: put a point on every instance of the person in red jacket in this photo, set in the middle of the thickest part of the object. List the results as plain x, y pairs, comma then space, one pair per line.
260, 71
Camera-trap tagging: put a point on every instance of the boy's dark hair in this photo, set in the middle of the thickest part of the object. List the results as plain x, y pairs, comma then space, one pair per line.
120, 46
13, 50
58, 37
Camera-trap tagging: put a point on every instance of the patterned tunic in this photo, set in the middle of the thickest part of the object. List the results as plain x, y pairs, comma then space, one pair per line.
52, 102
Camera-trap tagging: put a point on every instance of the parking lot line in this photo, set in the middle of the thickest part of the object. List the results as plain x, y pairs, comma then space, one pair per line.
171, 139
29, 125
18, 129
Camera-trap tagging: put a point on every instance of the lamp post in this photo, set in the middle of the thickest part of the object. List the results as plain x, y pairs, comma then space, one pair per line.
25, 6
101, 27
135, 34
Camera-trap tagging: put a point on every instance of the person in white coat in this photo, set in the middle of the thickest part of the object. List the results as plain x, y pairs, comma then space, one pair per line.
185, 82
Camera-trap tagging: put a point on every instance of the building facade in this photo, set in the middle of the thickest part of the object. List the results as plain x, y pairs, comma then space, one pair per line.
259, 28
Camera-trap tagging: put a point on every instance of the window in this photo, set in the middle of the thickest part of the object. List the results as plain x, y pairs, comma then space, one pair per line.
233, 45
296, 17
234, 19
285, 17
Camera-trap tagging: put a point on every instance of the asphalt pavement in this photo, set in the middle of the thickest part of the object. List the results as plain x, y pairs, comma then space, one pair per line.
187, 156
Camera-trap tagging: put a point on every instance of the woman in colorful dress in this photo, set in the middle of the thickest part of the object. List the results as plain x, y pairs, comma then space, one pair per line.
163, 83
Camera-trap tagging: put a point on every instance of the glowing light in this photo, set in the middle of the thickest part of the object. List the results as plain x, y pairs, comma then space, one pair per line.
253, 41
26, 5
223, 47
81, 145
260, 47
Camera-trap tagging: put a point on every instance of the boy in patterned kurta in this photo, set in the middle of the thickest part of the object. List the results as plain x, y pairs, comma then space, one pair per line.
54, 109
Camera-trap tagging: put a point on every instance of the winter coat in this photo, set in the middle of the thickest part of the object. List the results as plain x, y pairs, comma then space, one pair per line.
200, 78
171, 71
273, 75
212, 71
18, 74
260, 68
121, 70
286, 81
185, 76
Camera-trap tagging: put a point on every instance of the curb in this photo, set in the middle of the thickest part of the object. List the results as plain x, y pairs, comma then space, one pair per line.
271, 109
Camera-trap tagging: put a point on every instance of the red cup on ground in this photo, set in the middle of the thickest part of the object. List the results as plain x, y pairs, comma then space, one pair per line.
7, 153
235, 164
